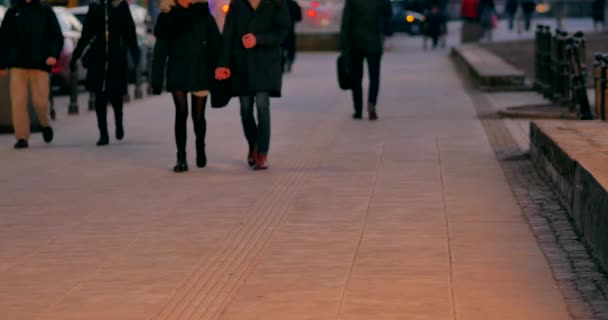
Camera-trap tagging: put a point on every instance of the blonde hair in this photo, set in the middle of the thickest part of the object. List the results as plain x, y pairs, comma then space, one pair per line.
167, 5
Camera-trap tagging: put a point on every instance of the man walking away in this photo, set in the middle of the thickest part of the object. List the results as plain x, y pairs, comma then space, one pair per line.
599, 7
362, 38
511, 10
31, 44
528, 7
471, 29
289, 47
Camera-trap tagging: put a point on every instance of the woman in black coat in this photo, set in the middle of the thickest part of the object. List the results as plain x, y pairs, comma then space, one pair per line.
251, 56
188, 41
107, 65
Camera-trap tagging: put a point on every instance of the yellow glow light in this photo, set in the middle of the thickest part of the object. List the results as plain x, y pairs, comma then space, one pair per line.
543, 8
410, 18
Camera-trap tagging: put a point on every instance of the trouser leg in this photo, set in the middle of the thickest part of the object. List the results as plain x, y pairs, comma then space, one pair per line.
40, 86
19, 99
248, 120
101, 109
357, 78
262, 100
373, 63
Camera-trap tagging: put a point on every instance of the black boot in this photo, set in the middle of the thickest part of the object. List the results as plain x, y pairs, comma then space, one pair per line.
182, 165
104, 139
201, 156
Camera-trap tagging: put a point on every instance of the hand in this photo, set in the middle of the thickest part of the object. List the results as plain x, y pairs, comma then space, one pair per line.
3, 72
222, 73
51, 61
249, 41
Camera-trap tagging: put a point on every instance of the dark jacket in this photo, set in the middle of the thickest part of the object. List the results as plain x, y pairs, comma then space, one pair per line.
511, 6
188, 44
122, 37
258, 69
528, 6
29, 35
435, 24
598, 7
364, 25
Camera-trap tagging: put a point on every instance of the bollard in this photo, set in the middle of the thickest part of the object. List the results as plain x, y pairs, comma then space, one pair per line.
579, 86
597, 83
564, 87
91, 101
554, 84
73, 107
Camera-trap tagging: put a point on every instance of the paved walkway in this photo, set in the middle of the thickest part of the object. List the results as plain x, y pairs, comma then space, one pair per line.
407, 218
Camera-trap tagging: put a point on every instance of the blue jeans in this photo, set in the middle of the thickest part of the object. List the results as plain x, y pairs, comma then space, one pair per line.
257, 134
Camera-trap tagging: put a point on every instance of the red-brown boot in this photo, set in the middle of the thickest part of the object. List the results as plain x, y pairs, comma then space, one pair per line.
261, 162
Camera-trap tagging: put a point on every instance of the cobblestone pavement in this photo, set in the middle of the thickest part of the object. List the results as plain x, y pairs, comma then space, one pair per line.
411, 217
580, 278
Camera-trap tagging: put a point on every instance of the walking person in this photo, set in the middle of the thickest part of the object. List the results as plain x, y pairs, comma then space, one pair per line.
528, 7
511, 10
362, 39
434, 25
598, 15
486, 18
251, 58
187, 43
31, 44
289, 47
108, 34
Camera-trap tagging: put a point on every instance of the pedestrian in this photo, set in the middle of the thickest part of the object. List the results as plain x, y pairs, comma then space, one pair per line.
188, 44
486, 18
435, 25
469, 13
108, 34
289, 47
362, 39
251, 58
598, 15
528, 7
31, 45
511, 11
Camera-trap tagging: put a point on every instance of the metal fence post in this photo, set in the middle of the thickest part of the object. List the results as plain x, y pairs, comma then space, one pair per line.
604, 87
579, 87
598, 63
73, 107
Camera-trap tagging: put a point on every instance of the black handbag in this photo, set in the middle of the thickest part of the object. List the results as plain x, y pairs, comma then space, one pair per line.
221, 93
344, 75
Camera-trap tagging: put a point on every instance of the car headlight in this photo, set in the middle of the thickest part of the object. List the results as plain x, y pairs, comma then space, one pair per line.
410, 18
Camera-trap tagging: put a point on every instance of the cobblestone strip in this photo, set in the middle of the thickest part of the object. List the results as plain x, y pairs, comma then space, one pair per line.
207, 293
584, 285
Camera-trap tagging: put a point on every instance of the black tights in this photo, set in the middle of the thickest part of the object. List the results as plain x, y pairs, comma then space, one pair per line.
101, 108
180, 98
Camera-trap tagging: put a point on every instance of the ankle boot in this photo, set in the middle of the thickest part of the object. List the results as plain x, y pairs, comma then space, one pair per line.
261, 162
104, 140
201, 156
251, 156
182, 165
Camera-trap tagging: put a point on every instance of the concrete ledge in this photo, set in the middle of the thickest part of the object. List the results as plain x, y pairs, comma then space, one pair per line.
538, 112
573, 157
490, 72
318, 41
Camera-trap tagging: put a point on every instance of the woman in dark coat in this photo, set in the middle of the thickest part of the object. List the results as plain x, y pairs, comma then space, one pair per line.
107, 73
251, 57
187, 42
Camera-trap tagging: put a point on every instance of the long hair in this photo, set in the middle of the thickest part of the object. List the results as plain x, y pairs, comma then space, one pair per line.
167, 5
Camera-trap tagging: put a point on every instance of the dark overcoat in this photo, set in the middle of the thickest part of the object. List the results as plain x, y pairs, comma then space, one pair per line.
188, 44
364, 25
30, 34
258, 69
122, 38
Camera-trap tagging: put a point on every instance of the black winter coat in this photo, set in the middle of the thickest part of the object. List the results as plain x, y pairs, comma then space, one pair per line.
364, 25
122, 37
30, 34
598, 7
258, 69
511, 6
188, 43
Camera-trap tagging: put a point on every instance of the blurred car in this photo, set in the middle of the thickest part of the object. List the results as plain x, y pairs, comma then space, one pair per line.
318, 13
405, 20
2, 12
71, 29
143, 26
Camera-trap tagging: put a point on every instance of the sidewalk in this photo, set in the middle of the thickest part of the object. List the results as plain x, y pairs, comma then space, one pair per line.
407, 218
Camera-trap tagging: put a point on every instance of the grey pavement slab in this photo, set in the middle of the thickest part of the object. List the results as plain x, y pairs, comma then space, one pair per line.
410, 217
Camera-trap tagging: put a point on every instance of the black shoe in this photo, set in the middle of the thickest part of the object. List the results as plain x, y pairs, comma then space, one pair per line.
357, 116
120, 132
103, 141
181, 166
21, 144
373, 116
201, 158
47, 134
